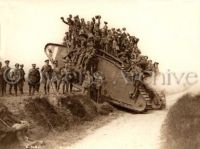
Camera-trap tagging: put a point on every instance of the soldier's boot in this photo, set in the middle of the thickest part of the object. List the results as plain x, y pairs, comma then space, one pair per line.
63, 88
56, 85
15, 88
10, 89
70, 88
33, 90
59, 86
4, 87
22, 88
45, 88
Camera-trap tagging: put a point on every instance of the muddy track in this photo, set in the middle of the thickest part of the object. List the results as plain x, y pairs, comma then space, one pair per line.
138, 131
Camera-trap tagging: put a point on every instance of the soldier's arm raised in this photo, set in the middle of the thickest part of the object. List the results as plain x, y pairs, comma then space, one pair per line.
64, 21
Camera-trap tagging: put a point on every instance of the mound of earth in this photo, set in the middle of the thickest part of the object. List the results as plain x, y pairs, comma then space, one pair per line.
181, 129
54, 114
46, 115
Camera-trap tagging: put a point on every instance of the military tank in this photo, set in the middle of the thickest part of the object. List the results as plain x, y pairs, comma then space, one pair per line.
117, 84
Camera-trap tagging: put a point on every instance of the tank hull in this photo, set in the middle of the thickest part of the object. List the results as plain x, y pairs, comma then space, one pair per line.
117, 87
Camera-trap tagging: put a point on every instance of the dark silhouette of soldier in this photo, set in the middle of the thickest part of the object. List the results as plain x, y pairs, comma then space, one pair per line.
22, 80
56, 77
15, 77
46, 76
33, 79
5, 69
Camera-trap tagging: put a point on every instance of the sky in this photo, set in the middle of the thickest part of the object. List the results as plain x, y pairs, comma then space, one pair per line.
169, 30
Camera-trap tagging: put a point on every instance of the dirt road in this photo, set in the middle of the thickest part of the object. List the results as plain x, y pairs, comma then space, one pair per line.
130, 131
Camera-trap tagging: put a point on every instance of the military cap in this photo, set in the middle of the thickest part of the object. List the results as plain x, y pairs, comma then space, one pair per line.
156, 63
123, 28
46, 60
7, 61
21, 65
16, 64
82, 34
105, 22
33, 64
76, 16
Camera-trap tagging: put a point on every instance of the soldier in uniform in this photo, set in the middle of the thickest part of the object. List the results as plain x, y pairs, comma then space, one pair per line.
97, 25
1, 80
5, 69
33, 79
37, 86
16, 79
87, 82
155, 68
137, 75
22, 80
68, 78
56, 77
81, 55
98, 82
70, 23
149, 69
46, 76
115, 47
105, 28
90, 51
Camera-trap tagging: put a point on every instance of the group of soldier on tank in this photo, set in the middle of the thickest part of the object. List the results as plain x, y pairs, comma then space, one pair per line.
84, 39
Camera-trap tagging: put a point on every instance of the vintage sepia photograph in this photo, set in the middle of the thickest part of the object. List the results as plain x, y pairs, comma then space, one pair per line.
107, 74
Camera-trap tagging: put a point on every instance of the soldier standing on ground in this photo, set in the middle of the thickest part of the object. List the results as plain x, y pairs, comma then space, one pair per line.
5, 69
98, 82
68, 78
16, 76
56, 77
37, 88
33, 79
46, 76
22, 80
87, 82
